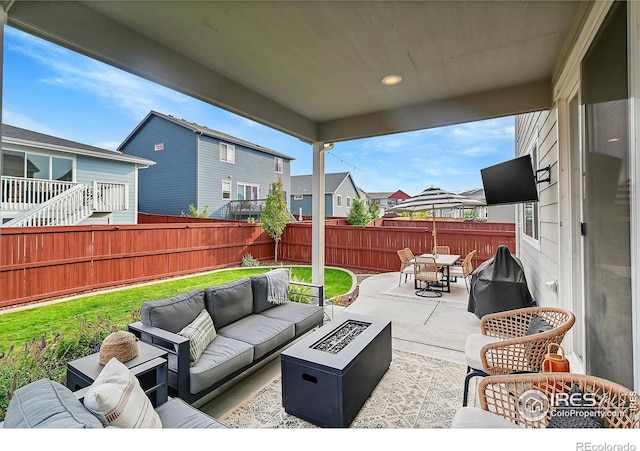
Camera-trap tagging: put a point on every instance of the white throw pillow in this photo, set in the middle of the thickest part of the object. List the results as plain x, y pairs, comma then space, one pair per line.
200, 333
117, 399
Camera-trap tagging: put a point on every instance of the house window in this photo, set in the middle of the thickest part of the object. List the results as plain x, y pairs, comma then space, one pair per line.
339, 200
227, 152
247, 191
36, 166
348, 202
278, 165
298, 197
530, 210
226, 189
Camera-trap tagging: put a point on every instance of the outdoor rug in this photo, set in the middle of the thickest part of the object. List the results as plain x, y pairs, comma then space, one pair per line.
416, 392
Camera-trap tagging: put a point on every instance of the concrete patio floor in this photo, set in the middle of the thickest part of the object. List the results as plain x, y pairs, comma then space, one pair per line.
436, 327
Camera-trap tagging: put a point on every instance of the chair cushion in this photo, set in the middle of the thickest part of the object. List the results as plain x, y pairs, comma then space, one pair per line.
304, 316
474, 417
220, 358
472, 348
575, 412
47, 404
229, 302
173, 313
200, 333
117, 399
538, 325
264, 334
176, 413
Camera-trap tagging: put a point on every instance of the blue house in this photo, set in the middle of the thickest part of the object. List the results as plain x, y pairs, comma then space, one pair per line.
340, 191
198, 166
50, 181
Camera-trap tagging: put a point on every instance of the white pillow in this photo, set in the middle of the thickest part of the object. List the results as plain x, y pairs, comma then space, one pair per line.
200, 333
117, 399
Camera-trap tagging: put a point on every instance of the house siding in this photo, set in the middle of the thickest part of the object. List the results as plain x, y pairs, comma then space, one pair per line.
251, 167
169, 186
90, 169
541, 257
346, 189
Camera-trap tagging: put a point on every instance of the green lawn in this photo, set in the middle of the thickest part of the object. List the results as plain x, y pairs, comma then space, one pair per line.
20, 327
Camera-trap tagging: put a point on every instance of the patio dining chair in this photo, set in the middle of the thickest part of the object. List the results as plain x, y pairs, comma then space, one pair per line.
445, 250
514, 341
463, 270
426, 271
406, 265
550, 400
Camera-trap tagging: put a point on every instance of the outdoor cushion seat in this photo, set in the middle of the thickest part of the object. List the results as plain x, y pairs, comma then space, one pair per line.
304, 316
221, 357
264, 334
176, 413
475, 417
473, 347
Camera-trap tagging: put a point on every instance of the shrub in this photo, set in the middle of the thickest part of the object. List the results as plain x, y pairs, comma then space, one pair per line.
300, 293
39, 359
248, 260
358, 214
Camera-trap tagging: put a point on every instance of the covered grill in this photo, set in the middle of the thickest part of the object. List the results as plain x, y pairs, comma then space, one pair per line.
499, 284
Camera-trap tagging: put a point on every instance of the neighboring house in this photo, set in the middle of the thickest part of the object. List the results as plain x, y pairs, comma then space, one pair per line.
48, 181
198, 166
388, 199
491, 213
340, 190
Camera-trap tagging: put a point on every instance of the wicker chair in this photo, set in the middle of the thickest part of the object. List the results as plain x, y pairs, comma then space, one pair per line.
463, 270
406, 264
514, 341
530, 401
426, 271
445, 250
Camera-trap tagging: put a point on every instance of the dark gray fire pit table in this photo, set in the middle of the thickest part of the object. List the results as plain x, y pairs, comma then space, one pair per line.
328, 375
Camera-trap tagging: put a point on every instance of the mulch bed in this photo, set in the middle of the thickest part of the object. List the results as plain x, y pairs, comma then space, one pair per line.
344, 300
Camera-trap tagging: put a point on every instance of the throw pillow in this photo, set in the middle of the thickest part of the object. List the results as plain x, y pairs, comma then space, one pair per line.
538, 325
117, 399
200, 333
575, 412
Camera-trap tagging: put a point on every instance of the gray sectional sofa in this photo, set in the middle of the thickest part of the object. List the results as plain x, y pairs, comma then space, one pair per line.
248, 330
48, 404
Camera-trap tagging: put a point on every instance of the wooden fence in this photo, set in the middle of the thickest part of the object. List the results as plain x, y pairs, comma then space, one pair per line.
375, 248
45, 262
38, 263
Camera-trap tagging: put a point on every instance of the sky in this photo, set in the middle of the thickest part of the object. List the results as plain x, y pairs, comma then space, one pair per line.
52, 90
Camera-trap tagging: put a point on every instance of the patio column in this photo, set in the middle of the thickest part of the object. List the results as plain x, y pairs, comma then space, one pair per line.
318, 214
3, 22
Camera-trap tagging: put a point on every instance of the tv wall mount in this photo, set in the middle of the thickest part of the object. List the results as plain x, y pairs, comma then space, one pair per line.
542, 171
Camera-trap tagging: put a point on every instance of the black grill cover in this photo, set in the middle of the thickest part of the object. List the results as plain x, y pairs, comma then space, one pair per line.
499, 284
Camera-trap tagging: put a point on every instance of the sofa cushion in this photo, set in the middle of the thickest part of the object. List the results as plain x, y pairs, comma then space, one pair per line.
176, 413
259, 288
304, 316
200, 333
173, 313
220, 358
47, 404
117, 399
229, 302
264, 334
473, 347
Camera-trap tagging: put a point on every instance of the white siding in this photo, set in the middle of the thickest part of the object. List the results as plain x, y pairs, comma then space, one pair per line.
541, 258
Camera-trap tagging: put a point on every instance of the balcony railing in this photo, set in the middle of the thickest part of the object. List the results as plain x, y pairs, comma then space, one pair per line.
22, 194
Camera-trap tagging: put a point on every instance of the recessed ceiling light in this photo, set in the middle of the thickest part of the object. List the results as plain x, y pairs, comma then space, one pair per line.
391, 80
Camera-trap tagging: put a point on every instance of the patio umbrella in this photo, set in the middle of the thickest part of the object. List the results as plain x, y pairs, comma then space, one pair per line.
436, 199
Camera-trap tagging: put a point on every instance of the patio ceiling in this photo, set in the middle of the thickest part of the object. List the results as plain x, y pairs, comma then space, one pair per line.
313, 69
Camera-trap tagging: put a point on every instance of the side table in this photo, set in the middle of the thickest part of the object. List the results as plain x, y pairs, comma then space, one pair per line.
149, 366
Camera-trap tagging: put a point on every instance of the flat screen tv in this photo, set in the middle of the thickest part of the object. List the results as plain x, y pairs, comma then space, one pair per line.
510, 182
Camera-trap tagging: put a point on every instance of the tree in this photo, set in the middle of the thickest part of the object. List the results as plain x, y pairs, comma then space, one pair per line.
374, 209
274, 215
358, 214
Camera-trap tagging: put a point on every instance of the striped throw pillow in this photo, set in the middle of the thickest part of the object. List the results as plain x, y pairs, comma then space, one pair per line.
117, 399
200, 333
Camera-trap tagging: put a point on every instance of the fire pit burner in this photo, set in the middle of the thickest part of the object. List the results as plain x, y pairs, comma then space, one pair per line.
341, 337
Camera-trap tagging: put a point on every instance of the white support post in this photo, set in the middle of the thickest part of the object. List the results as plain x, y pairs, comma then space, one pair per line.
318, 214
